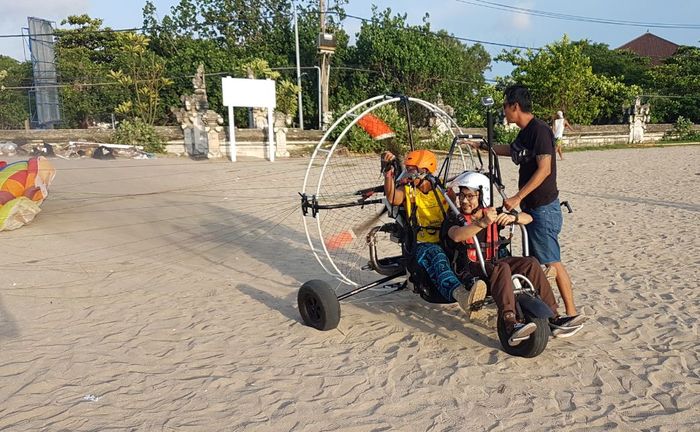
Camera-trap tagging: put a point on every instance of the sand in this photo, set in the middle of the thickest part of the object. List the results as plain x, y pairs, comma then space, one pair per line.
161, 295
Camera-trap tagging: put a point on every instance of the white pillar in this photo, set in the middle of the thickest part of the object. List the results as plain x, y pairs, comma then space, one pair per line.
231, 135
270, 136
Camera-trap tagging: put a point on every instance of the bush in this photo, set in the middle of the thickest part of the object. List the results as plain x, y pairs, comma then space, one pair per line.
137, 132
682, 131
503, 135
358, 141
287, 94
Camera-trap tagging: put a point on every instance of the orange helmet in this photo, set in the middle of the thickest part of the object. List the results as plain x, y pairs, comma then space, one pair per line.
422, 159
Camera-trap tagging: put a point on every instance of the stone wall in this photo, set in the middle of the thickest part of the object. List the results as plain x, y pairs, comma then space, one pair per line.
253, 142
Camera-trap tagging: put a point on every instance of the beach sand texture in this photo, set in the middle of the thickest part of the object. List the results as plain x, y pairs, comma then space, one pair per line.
161, 295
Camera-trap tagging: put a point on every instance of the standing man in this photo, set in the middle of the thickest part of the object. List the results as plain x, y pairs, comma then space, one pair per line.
533, 150
558, 126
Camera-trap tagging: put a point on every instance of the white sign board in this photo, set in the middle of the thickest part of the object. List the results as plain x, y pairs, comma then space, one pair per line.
241, 92
249, 93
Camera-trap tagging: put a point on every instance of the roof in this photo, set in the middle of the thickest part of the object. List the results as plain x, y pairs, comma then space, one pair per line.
649, 45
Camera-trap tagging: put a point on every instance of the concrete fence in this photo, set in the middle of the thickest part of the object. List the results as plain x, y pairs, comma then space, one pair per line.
253, 142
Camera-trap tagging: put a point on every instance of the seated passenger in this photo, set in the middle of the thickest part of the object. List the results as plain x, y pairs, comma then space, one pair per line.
473, 195
426, 209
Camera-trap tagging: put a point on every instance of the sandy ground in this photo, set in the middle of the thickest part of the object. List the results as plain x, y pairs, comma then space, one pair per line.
161, 295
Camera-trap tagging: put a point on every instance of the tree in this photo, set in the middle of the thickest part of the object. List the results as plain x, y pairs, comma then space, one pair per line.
84, 56
628, 67
677, 84
141, 73
560, 77
13, 102
415, 61
223, 34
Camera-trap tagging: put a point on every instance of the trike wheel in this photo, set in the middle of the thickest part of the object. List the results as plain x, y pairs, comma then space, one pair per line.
318, 305
531, 347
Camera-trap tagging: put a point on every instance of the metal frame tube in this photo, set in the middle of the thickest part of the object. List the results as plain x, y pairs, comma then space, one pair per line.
370, 285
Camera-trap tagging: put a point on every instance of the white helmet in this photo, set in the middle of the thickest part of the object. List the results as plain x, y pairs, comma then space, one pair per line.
474, 181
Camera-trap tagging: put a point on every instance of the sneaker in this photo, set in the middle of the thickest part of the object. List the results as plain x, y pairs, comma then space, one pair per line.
566, 326
521, 332
471, 301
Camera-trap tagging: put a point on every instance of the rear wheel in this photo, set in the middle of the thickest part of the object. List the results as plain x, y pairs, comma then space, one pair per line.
531, 347
318, 305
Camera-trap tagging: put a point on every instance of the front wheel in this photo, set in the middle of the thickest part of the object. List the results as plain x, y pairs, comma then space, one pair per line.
528, 348
318, 305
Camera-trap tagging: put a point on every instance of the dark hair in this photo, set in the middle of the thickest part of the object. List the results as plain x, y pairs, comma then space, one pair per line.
518, 93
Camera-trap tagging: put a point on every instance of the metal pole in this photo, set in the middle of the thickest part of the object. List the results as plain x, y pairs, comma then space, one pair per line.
320, 107
296, 42
325, 62
231, 135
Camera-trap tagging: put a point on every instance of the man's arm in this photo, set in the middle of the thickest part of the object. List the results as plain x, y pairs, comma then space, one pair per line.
500, 149
463, 233
544, 169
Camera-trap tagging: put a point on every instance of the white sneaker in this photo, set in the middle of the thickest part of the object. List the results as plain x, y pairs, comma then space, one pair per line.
521, 332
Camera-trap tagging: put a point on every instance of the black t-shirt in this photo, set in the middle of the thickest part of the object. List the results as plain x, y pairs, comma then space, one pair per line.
538, 139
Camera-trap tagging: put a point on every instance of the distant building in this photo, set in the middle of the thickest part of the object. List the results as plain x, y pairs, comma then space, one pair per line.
651, 46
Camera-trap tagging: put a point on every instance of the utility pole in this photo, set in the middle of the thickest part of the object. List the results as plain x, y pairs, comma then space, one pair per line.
326, 47
296, 44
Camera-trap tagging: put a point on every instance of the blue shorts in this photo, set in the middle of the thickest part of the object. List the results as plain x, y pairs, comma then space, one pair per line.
543, 232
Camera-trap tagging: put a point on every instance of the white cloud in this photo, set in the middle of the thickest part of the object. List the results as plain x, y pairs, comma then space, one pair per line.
522, 21
14, 13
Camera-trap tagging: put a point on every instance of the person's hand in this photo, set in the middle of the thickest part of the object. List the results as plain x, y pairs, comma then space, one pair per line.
387, 164
504, 219
512, 202
490, 215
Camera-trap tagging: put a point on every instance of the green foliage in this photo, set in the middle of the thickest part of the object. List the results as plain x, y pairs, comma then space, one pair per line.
678, 83
682, 131
287, 93
13, 103
626, 66
84, 56
358, 141
415, 61
141, 75
138, 132
503, 135
560, 77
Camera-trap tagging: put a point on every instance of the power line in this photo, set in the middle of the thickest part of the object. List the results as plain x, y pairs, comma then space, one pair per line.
460, 38
576, 18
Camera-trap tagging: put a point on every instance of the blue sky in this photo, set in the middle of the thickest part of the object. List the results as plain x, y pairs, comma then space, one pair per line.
464, 18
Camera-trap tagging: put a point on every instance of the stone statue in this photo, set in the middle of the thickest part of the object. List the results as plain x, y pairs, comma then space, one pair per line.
438, 121
639, 116
202, 127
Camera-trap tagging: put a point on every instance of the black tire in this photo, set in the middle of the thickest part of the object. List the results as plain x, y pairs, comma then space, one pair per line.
318, 305
531, 347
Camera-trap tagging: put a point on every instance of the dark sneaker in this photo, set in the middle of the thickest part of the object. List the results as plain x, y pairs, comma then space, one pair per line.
566, 326
521, 332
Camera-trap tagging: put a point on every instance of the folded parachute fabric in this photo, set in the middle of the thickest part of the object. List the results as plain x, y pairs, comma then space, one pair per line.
23, 187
